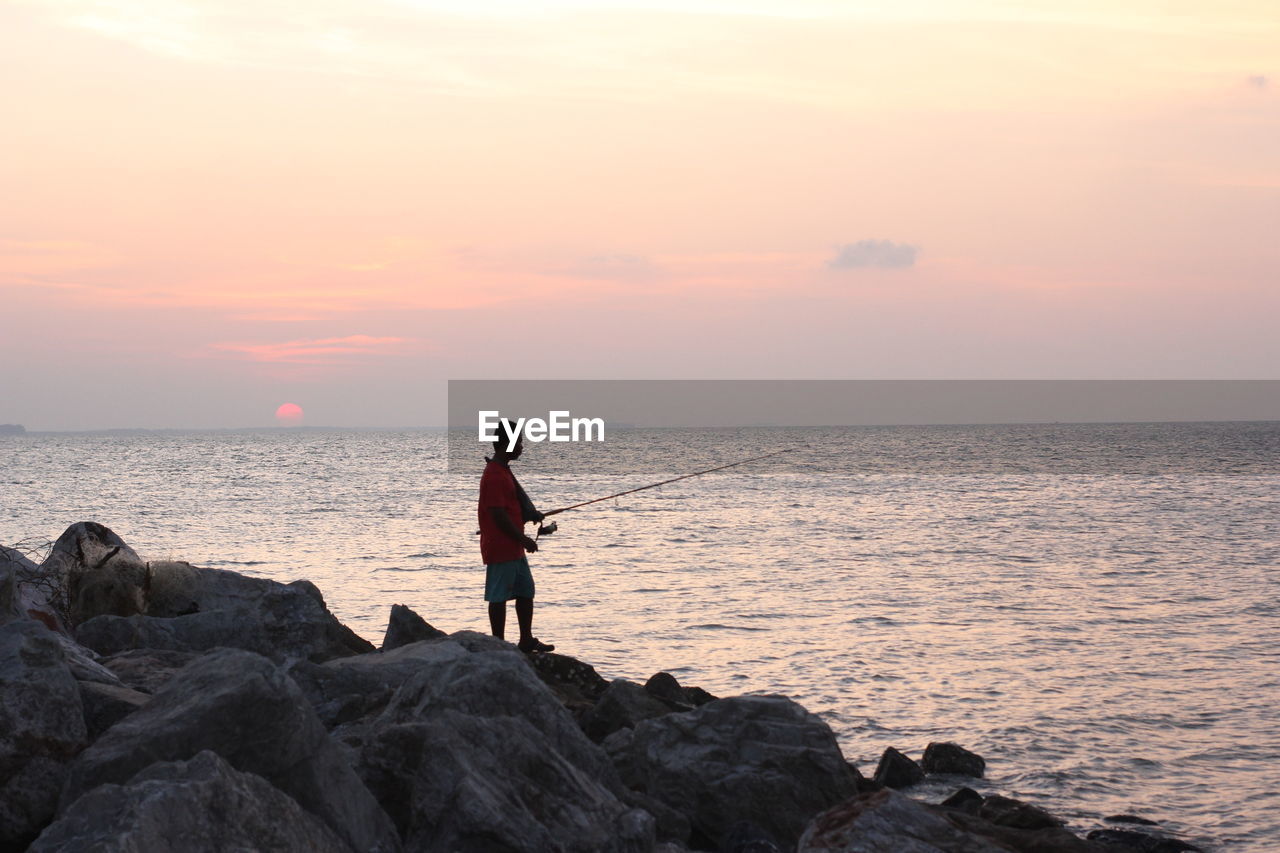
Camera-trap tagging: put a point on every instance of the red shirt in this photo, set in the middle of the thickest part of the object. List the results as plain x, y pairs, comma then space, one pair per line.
498, 488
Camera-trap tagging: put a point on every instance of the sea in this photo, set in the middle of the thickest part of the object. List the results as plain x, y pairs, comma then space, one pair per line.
1091, 607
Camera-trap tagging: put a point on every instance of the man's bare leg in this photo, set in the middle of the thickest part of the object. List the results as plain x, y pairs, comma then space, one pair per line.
498, 618
524, 615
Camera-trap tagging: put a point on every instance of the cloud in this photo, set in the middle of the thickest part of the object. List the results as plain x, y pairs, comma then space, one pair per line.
873, 253
1259, 81
631, 269
317, 351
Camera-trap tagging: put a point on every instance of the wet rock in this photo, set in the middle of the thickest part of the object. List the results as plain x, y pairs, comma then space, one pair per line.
759, 758
247, 710
405, 627
279, 621
951, 758
889, 822
41, 727
1006, 811
576, 684
896, 770
203, 804
1128, 818
664, 686
622, 705
1142, 842
455, 781
147, 670
966, 800
107, 704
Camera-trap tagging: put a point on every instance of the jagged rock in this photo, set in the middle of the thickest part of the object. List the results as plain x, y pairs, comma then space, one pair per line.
575, 683
1129, 818
664, 686
760, 758
965, 799
455, 781
697, 696
746, 836
622, 705
146, 670
203, 805
951, 758
888, 822
20, 598
346, 689
405, 627
247, 710
1006, 811
41, 727
279, 621
896, 770
100, 573
1142, 842
107, 704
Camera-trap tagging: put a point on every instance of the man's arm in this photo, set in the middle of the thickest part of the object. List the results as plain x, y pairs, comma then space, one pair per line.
504, 523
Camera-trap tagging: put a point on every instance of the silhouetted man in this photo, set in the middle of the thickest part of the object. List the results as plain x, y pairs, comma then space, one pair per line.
503, 510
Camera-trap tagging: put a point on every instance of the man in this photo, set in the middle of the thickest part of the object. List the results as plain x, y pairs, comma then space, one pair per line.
503, 544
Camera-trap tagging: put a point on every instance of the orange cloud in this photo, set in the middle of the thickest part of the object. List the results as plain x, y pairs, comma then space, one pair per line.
317, 351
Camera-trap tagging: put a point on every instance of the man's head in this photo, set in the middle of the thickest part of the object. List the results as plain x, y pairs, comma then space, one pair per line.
503, 441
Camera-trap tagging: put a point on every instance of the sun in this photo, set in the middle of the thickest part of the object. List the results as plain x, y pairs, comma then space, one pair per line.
289, 414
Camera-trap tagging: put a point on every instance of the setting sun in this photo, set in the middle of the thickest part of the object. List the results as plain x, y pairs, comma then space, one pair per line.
289, 414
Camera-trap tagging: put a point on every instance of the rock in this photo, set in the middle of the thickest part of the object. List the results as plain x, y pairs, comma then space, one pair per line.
279, 621
1128, 818
748, 837
896, 770
759, 758
247, 710
576, 684
623, 704
106, 704
146, 670
25, 594
966, 800
664, 686
456, 781
203, 805
1143, 842
41, 728
950, 758
1005, 811
889, 822
101, 574
405, 627
346, 689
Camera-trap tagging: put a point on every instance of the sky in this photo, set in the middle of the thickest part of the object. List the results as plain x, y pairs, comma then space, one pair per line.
215, 207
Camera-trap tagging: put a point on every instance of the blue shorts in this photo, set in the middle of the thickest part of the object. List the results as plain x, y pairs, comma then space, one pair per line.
505, 581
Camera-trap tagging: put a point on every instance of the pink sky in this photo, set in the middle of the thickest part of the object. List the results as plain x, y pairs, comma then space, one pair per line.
212, 207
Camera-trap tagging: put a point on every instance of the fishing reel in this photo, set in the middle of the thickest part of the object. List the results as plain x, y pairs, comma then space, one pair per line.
547, 529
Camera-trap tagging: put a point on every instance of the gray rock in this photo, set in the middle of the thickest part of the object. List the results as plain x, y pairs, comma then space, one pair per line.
454, 781
146, 670
247, 710
107, 704
405, 627
575, 683
965, 799
203, 805
952, 758
1006, 811
1141, 842
41, 727
664, 686
101, 574
888, 822
759, 758
623, 704
279, 621
896, 770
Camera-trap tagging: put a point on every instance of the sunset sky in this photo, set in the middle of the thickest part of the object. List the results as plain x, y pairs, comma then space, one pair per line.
214, 207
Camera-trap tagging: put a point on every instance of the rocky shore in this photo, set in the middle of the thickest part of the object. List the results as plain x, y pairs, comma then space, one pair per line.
150, 706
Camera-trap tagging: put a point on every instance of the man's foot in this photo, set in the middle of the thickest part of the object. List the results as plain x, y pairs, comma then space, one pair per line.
533, 644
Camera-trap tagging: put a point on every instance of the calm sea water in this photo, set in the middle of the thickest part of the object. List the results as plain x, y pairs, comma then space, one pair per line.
1092, 608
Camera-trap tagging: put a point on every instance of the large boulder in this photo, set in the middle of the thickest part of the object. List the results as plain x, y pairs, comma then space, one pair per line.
251, 713
279, 621
100, 573
954, 759
41, 728
27, 592
203, 805
474, 751
107, 704
147, 670
888, 822
454, 781
759, 758
405, 627
896, 770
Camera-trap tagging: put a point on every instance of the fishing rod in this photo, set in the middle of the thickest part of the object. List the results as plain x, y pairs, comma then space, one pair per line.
551, 528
